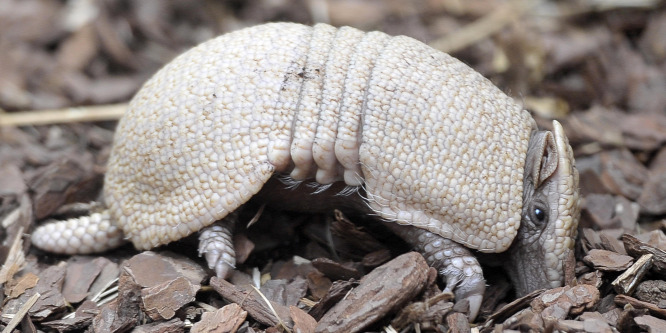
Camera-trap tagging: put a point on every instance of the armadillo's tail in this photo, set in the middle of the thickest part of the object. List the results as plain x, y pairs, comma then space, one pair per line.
82, 235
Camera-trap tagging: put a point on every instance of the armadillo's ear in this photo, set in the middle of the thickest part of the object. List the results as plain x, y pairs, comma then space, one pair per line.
542, 156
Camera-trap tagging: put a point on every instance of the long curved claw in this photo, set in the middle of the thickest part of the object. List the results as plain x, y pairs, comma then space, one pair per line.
467, 286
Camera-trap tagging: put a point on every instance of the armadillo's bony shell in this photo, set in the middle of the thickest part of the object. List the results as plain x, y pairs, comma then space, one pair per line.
436, 144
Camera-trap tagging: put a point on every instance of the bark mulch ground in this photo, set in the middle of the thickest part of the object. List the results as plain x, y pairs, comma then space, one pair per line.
597, 66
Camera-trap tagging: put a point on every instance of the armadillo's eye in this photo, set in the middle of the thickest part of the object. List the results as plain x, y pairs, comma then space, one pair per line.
539, 212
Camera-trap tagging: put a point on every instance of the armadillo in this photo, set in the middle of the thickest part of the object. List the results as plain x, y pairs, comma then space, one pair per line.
419, 140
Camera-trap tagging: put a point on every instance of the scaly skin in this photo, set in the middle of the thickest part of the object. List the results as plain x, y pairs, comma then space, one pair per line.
434, 145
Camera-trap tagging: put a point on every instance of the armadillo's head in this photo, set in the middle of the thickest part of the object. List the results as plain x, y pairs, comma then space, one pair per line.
550, 213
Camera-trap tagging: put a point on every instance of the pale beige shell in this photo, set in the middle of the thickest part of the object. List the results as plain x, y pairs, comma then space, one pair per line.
435, 144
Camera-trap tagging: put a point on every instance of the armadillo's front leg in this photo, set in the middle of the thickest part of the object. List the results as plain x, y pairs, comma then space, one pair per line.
454, 262
216, 243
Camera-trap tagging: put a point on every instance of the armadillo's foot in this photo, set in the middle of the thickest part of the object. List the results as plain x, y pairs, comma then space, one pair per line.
82, 235
454, 262
216, 243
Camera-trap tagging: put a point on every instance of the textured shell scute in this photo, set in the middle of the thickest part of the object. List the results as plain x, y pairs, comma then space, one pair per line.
193, 145
449, 147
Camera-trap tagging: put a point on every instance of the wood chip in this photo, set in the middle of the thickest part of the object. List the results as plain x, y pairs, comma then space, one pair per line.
382, 291
149, 268
174, 325
303, 322
82, 318
17, 287
285, 292
336, 292
624, 299
123, 312
653, 291
427, 313
510, 309
608, 261
457, 323
653, 198
628, 280
637, 248
268, 314
225, 319
163, 300
335, 270
651, 324
560, 302
81, 272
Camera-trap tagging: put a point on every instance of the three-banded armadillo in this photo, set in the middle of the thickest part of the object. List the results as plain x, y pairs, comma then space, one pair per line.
418, 137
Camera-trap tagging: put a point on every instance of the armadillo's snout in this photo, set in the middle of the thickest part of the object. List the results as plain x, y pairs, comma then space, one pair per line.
550, 213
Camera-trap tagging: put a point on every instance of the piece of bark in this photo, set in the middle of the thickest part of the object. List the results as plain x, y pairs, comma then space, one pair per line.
457, 323
253, 303
284, 292
49, 287
523, 320
12, 182
654, 238
622, 173
653, 198
243, 247
376, 258
16, 287
651, 324
592, 278
318, 284
123, 312
150, 268
629, 279
590, 239
109, 273
625, 321
303, 322
608, 261
174, 325
611, 242
637, 248
336, 292
495, 293
624, 299
335, 270
607, 303
653, 291
612, 316
430, 312
67, 177
382, 291
512, 308
560, 302
81, 273
83, 317
358, 238
599, 208
226, 319
605, 211
163, 300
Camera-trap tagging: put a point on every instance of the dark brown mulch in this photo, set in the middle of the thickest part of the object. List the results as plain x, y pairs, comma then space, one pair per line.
599, 67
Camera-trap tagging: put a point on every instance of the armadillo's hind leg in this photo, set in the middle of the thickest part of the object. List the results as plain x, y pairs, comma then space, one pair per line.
216, 243
86, 234
454, 262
